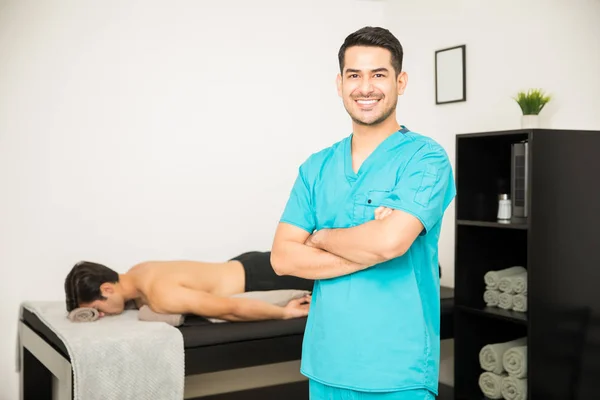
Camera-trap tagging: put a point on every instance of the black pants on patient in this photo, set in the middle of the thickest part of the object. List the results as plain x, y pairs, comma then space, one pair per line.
261, 277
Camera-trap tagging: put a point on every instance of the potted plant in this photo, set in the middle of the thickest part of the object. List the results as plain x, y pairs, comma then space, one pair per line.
531, 103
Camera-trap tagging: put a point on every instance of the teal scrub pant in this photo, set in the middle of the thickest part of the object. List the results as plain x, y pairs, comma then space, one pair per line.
319, 391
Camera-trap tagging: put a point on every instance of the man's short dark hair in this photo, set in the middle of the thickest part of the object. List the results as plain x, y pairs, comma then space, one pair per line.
374, 37
82, 284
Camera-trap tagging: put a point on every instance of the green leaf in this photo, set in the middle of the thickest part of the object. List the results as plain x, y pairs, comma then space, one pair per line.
532, 101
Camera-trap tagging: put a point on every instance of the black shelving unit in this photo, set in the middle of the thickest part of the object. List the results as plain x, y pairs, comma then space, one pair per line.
558, 243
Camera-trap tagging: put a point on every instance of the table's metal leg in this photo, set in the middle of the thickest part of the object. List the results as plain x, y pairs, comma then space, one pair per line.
62, 389
45, 373
21, 371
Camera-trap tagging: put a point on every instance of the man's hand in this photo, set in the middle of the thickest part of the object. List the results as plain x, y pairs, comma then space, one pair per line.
290, 255
297, 308
387, 236
382, 212
314, 239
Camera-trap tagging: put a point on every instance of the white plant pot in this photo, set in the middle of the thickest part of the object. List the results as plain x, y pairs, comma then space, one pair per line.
530, 121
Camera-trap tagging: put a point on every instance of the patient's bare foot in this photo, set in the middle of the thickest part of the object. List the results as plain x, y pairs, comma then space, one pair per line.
297, 308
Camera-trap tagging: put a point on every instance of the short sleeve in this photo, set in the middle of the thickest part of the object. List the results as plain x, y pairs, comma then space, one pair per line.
426, 187
299, 210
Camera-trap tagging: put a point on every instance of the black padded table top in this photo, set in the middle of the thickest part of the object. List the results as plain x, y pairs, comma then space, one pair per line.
447, 312
198, 332
446, 293
446, 298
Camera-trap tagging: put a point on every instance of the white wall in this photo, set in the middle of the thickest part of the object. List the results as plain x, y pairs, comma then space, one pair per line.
510, 46
155, 130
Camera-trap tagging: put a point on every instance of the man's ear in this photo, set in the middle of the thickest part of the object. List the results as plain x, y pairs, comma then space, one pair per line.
338, 82
107, 288
401, 82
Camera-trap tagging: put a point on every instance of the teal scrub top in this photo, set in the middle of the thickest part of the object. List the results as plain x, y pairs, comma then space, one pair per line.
376, 329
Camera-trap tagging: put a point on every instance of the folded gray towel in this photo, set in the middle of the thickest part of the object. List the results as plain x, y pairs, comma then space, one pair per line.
146, 314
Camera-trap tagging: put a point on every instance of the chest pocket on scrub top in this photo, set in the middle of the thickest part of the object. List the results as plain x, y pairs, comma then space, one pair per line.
366, 203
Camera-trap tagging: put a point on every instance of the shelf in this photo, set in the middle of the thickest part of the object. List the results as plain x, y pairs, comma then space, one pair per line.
502, 134
498, 313
492, 224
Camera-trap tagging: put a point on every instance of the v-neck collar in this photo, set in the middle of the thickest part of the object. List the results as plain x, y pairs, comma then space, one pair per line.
351, 176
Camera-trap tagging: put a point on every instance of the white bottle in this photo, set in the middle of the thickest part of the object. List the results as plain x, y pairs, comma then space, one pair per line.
504, 208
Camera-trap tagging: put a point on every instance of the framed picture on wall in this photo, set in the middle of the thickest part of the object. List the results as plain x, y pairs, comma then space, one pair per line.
450, 75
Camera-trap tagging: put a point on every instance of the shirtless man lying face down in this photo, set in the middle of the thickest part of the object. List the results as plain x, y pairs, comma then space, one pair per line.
187, 287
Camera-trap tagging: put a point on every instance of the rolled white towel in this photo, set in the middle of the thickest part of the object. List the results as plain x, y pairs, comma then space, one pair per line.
520, 283
505, 301
520, 302
514, 361
490, 355
505, 285
491, 384
514, 388
491, 297
492, 278
508, 284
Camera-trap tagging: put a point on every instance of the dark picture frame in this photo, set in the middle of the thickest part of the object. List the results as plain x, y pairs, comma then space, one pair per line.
451, 75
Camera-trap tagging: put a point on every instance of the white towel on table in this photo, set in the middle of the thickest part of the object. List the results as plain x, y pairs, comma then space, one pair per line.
508, 284
520, 302
492, 278
491, 355
514, 361
491, 384
514, 388
491, 297
118, 357
505, 301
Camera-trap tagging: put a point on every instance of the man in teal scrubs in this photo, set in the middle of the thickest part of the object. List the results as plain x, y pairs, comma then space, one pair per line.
363, 220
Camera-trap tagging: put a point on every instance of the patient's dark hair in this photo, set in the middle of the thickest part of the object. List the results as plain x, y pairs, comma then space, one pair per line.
374, 37
82, 284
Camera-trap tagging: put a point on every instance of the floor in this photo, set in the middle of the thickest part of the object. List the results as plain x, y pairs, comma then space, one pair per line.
298, 391
445, 392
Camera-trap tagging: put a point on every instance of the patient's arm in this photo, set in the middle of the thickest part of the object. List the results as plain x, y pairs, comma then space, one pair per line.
291, 256
181, 300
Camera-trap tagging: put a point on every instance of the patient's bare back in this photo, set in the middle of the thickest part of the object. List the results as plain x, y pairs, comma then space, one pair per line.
222, 279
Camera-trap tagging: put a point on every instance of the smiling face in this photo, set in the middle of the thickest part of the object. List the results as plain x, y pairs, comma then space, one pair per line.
369, 86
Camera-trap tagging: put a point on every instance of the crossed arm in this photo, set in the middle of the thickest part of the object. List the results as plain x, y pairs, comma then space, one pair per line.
330, 253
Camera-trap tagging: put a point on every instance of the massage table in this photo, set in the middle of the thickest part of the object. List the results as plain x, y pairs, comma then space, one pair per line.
223, 361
